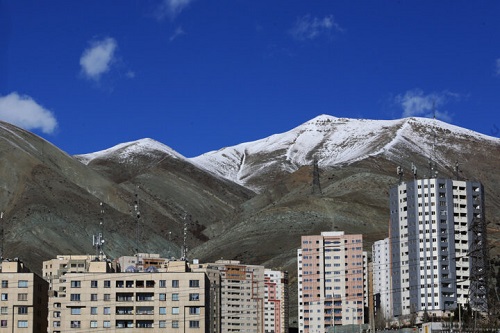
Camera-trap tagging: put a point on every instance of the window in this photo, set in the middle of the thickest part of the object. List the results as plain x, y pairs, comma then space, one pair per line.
107, 284
163, 310
75, 324
5, 297
76, 297
76, 311
163, 297
162, 324
106, 324
5, 284
22, 297
175, 297
3, 323
163, 283
22, 310
57, 324
175, 323
194, 297
22, 284
194, 324
175, 283
107, 310
107, 297
93, 297
175, 310
194, 283
4, 310
93, 284
22, 323
76, 284
194, 310
93, 323
93, 310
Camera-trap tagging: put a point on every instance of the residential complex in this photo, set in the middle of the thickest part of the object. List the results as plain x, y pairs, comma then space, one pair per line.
86, 294
23, 304
437, 246
331, 281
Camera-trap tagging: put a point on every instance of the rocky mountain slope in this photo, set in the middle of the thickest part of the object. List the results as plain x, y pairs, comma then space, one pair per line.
250, 202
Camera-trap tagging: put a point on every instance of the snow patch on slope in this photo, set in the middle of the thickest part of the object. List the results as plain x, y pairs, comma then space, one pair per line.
126, 151
330, 140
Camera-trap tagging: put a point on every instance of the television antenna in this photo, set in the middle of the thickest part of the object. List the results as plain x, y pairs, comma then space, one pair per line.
98, 240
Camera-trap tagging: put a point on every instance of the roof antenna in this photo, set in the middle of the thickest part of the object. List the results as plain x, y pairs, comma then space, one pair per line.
457, 170
184, 244
98, 241
400, 173
2, 236
138, 222
414, 170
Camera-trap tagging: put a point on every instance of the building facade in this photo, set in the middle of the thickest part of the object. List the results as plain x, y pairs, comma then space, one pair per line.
23, 303
275, 301
86, 294
382, 285
331, 284
437, 245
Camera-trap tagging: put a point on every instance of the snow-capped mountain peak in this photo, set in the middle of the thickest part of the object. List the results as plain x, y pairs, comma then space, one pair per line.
331, 141
127, 150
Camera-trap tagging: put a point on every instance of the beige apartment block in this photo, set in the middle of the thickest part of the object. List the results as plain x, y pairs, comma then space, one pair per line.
96, 295
331, 284
23, 302
241, 296
275, 301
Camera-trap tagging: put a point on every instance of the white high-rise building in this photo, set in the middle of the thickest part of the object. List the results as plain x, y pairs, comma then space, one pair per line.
382, 289
438, 246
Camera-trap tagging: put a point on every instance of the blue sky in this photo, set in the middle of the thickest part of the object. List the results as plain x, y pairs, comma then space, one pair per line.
200, 75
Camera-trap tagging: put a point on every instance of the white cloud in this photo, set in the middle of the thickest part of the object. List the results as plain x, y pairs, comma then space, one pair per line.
98, 58
171, 8
24, 112
497, 72
417, 104
178, 32
308, 28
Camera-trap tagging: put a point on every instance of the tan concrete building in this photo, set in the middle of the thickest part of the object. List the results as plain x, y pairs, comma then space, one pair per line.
331, 282
23, 302
241, 296
87, 295
275, 301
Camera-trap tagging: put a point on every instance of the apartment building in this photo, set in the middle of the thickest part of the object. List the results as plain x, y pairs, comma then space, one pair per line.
331, 283
87, 294
242, 295
23, 302
438, 246
275, 301
382, 285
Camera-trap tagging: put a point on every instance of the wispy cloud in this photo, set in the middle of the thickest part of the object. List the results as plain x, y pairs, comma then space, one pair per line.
98, 58
24, 112
178, 32
417, 104
171, 8
308, 28
497, 67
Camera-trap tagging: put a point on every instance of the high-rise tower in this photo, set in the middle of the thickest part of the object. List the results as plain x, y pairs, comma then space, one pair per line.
438, 246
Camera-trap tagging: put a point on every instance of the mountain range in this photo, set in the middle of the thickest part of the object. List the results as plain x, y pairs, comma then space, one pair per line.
249, 202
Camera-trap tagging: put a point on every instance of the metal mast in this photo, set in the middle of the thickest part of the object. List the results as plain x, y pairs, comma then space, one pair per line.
478, 256
138, 223
98, 240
